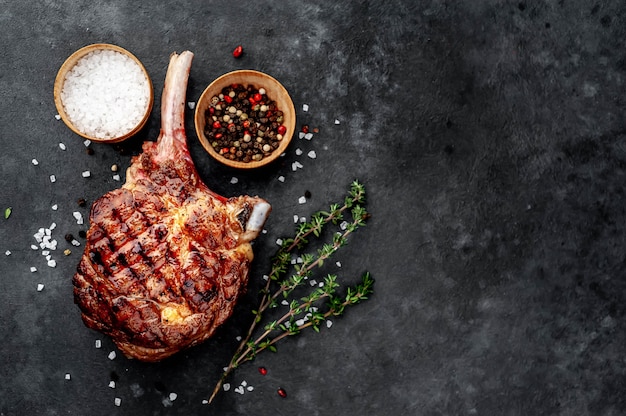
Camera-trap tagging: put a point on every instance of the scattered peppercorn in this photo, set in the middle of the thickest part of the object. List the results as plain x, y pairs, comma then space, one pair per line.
82, 234
67, 252
81, 202
89, 151
307, 194
243, 124
69, 237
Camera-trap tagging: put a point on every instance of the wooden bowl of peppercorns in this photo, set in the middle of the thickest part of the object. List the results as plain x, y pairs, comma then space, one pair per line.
245, 119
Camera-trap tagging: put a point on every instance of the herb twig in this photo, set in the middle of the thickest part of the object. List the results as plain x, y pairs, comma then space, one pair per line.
305, 312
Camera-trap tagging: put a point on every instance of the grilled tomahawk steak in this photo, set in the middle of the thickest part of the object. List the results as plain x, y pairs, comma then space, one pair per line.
165, 258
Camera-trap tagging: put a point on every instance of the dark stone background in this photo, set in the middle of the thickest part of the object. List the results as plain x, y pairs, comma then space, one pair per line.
491, 138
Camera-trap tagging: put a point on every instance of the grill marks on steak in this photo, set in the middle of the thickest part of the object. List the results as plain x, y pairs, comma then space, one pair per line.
166, 258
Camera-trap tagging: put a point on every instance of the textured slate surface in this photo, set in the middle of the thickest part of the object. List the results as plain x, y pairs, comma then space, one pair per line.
491, 138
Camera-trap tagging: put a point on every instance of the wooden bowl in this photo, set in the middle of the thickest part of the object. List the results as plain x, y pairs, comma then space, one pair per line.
60, 80
274, 90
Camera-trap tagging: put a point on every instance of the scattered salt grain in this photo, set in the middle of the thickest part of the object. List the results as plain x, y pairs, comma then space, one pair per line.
329, 323
284, 302
54, 207
40, 287
68, 376
301, 135
62, 146
281, 179
298, 152
118, 401
34, 162
343, 225
308, 136
296, 165
265, 277
226, 386
78, 217
338, 264
8, 252
116, 177
234, 180
53, 178
239, 390
105, 95
33, 269
295, 218
112, 384
238, 337
302, 200
52, 263
112, 355
305, 107
86, 174
75, 243
312, 154
313, 282
205, 401
249, 388
302, 219
337, 121
173, 396
57, 116
98, 343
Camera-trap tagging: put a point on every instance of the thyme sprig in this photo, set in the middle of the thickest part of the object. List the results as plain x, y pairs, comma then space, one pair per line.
305, 312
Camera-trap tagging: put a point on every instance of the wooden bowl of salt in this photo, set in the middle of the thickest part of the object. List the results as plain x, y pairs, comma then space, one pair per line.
103, 93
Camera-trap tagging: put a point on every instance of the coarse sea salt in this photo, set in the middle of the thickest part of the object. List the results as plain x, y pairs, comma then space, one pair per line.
34, 162
106, 94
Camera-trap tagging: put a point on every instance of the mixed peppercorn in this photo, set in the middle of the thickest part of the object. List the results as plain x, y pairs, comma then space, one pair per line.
244, 124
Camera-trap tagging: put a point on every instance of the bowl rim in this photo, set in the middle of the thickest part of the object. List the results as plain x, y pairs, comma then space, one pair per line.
199, 118
70, 62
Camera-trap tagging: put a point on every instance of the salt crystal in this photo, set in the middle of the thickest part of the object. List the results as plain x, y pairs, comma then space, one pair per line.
234, 180
279, 242
265, 277
312, 154
343, 225
8, 252
336, 121
53, 178
52, 263
226, 386
300, 322
302, 200
238, 337
173, 396
284, 302
301, 135
57, 116
329, 323
298, 152
62, 146
55, 207
118, 401
112, 384
98, 343
299, 260
39, 287
308, 136
34, 247
239, 390
313, 282
33, 269
75, 243
68, 376
298, 164
87, 142
244, 383
112, 355
191, 105
338, 264
53, 226
78, 216
205, 401
295, 218
86, 174
302, 219
116, 177
305, 107
281, 179
249, 388
34, 162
